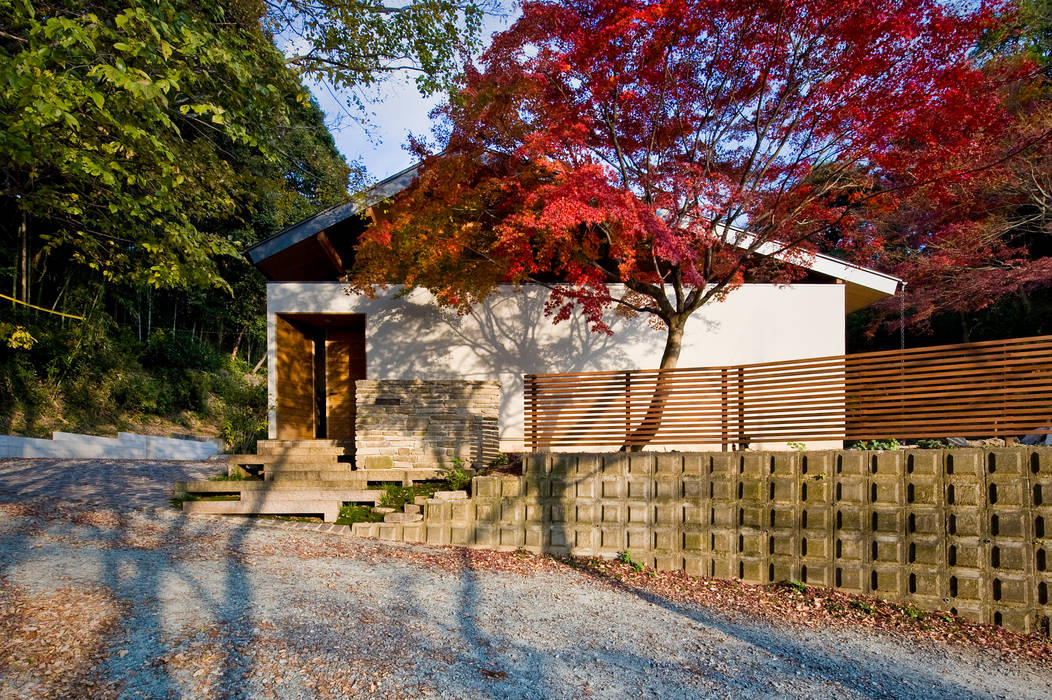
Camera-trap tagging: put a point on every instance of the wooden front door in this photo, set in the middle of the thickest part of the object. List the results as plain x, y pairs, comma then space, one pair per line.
295, 380
344, 364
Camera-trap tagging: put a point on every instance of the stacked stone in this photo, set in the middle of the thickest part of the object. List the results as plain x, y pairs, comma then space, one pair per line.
411, 424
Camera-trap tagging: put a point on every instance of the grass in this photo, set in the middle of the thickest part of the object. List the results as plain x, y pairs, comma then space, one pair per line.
355, 513
234, 477
395, 495
178, 501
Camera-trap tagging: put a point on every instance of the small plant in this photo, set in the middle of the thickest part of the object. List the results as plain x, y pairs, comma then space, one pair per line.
913, 612
862, 606
933, 444
501, 460
240, 475
625, 557
820, 476
798, 446
798, 586
876, 445
354, 513
456, 475
395, 495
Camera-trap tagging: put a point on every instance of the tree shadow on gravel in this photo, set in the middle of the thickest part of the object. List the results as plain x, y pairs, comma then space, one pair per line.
169, 608
852, 675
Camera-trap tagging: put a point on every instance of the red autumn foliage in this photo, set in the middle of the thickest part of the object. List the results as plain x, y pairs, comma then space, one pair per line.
963, 244
605, 142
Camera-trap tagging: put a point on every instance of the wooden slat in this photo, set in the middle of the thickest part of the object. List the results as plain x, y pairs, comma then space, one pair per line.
977, 389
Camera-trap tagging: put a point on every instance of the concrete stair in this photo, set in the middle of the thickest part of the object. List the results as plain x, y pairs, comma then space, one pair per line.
296, 477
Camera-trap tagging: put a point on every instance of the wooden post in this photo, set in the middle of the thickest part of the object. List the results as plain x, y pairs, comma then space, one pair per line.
725, 438
628, 406
741, 408
531, 411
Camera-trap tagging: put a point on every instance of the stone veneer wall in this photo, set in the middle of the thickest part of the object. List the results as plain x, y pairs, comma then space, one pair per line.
966, 530
421, 423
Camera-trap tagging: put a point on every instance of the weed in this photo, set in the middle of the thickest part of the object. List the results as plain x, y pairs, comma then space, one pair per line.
798, 446
237, 476
625, 557
501, 460
820, 476
456, 475
798, 586
863, 606
913, 612
834, 607
934, 444
878, 445
395, 495
353, 513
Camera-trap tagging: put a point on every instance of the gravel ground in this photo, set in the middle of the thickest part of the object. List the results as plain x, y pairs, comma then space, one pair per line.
116, 600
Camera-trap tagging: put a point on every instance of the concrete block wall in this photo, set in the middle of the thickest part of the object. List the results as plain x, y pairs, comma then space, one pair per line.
968, 530
416, 424
124, 446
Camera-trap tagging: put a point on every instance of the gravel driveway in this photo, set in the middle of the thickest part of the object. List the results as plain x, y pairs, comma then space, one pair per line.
132, 601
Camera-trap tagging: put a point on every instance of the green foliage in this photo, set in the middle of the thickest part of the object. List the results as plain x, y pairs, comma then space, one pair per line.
501, 460
456, 476
625, 557
396, 496
913, 612
353, 513
797, 586
934, 444
798, 446
223, 476
863, 606
881, 445
353, 44
136, 142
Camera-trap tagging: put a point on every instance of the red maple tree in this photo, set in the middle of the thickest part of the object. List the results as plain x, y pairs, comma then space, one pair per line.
660, 145
967, 242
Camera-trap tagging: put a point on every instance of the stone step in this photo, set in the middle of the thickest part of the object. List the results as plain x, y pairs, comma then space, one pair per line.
291, 455
281, 467
347, 490
272, 505
308, 474
402, 475
273, 445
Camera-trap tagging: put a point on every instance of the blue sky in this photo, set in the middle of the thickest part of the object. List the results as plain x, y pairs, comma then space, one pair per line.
398, 111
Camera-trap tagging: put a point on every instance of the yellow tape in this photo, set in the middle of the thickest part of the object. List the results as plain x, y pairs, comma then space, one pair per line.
40, 308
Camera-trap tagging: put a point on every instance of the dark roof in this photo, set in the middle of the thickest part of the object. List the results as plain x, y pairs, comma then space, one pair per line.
328, 218
321, 247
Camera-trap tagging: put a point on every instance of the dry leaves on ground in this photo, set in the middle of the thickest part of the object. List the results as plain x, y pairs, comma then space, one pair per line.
51, 642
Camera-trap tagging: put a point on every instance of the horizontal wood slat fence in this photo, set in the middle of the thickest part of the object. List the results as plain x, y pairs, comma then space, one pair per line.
989, 389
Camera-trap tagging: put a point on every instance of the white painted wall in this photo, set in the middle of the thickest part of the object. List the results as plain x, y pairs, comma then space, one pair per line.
124, 446
412, 338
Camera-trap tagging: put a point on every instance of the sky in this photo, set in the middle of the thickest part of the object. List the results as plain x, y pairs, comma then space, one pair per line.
398, 112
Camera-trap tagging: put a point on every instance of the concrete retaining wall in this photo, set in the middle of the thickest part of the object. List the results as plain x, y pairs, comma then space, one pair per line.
415, 424
968, 530
124, 446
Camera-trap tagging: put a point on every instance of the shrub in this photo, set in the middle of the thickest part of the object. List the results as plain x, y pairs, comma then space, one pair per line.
456, 476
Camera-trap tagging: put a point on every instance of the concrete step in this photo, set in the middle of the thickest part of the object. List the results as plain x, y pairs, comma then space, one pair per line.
274, 445
292, 456
271, 505
402, 475
308, 474
355, 490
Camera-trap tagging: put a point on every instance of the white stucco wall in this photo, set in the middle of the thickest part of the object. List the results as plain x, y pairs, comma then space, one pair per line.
412, 338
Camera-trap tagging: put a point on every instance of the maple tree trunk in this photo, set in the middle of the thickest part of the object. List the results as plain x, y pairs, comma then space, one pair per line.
651, 422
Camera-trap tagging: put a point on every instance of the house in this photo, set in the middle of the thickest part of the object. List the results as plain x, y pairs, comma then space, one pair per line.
323, 339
